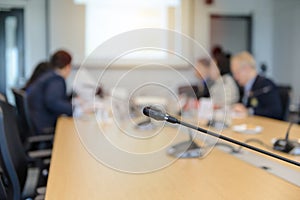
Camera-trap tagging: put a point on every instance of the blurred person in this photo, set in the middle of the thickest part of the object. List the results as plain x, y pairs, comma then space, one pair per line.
222, 88
202, 73
47, 98
39, 70
261, 96
222, 59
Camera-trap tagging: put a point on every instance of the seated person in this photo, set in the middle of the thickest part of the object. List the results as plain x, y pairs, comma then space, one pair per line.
222, 59
261, 96
222, 89
202, 73
40, 69
47, 98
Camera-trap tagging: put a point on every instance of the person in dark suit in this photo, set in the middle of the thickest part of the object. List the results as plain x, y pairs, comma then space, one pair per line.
47, 98
260, 96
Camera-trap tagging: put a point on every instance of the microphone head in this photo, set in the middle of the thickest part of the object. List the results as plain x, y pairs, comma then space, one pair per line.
146, 110
154, 113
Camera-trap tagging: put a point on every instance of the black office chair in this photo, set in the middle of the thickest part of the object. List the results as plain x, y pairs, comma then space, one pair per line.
285, 97
15, 163
27, 130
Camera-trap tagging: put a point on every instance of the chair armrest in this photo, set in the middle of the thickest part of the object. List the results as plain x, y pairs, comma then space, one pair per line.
40, 153
41, 190
40, 138
40, 197
46, 161
37, 142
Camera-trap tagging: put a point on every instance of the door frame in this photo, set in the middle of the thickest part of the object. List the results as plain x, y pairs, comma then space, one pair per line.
19, 14
247, 18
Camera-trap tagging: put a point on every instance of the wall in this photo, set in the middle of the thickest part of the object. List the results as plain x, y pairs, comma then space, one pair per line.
286, 44
67, 28
230, 33
72, 37
275, 33
35, 34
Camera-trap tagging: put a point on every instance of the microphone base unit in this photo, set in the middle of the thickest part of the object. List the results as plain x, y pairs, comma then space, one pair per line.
287, 146
187, 149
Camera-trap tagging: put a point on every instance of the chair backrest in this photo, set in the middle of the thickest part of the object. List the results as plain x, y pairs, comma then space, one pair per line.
285, 97
26, 128
12, 154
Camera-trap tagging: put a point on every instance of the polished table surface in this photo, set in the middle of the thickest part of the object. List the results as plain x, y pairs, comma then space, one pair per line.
272, 129
76, 174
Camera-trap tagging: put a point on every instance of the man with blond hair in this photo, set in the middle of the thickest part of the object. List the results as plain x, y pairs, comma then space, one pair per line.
261, 96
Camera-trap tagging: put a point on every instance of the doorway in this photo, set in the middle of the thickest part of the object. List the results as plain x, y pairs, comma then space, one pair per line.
232, 32
11, 49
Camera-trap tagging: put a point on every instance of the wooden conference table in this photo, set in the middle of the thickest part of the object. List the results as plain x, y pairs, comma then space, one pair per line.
76, 174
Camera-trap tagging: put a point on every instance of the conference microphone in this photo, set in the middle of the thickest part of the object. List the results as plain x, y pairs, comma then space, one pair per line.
285, 145
159, 115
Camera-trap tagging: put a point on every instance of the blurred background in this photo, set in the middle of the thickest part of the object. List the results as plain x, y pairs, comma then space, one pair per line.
31, 30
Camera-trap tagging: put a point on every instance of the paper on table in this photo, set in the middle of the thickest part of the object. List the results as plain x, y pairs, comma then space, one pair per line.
244, 128
205, 110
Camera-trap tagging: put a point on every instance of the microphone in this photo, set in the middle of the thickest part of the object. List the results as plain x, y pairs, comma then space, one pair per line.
284, 145
160, 116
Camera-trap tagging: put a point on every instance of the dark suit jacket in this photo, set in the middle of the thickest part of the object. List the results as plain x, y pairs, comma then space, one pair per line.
264, 98
47, 100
